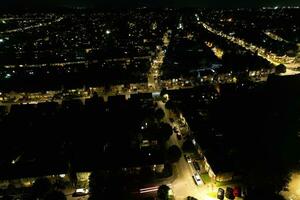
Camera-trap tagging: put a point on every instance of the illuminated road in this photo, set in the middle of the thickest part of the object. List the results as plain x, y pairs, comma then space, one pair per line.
69, 63
68, 193
184, 185
217, 51
293, 187
154, 72
32, 27
275, 37
290, 62
61, 64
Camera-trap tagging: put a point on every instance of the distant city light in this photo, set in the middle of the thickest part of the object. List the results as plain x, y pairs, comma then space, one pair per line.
180, 26
107, 32
8, 76
62, 175
1, 40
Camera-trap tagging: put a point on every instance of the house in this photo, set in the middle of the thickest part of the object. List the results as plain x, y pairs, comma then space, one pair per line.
218, 165
145, 98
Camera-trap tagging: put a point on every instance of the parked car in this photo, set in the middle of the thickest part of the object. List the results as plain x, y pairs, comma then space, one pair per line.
237, 191
197, 179
196, 166
229, 193
220, 194
80, 192
191, 198
188, 158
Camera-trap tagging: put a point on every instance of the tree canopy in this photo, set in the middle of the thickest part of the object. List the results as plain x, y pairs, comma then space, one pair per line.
55, 195
41, 187
163, 192
174, 153
165, 132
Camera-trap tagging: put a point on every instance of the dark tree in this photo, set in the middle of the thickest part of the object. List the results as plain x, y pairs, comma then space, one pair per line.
164, 132
11, 189
149, 198
72, 173
188, 146
112, 185
7, 197
280, 69
60, 184
174, 153
55, 195
163, 192
163, 92
97, 184
262, 193
167, 171
146, 173
159, 114
95, 95
170, 105
173, 106
41, 187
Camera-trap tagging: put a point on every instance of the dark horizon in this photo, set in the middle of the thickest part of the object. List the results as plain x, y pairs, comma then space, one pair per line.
35, 4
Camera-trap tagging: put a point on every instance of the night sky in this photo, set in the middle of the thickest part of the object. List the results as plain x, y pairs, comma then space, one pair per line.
151, 3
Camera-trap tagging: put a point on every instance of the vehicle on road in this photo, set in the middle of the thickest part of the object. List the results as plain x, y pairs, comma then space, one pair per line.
188, 158
237, 191
197, 179
229, 193
80, 192
191, 198
196, 166
220, 194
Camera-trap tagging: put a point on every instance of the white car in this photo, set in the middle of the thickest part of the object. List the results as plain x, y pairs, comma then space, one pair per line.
80, 192
197, 179
188, 158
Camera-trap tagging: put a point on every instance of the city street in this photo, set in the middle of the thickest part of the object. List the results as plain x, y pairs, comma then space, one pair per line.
184, 185
154, 72
290, 63
293, 192
172, 90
